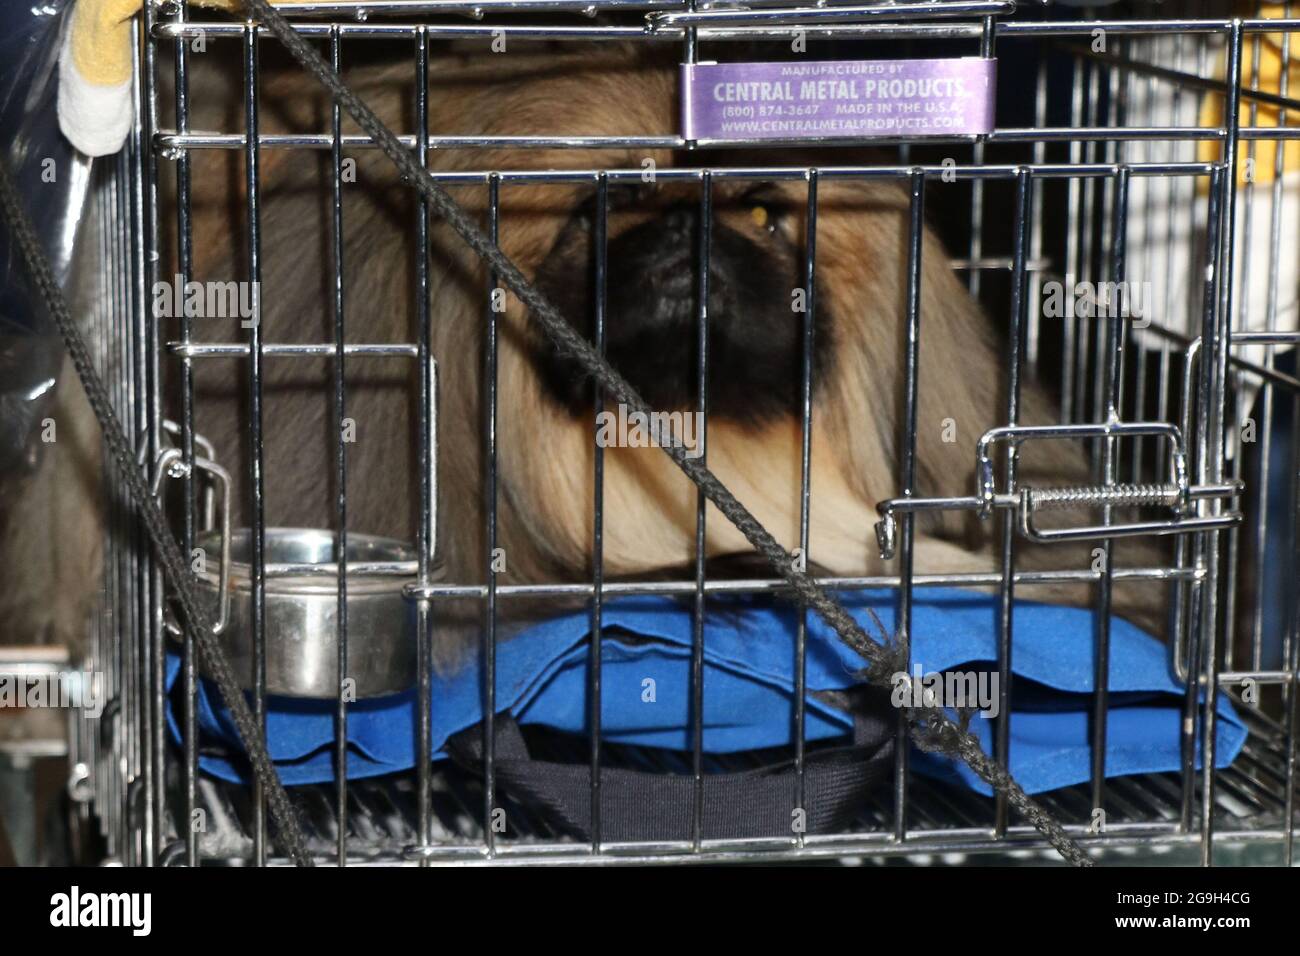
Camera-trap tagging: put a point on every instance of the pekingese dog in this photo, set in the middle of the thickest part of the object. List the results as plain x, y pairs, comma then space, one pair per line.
545, 412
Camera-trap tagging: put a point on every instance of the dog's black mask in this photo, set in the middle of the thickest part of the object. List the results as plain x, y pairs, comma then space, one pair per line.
756, 338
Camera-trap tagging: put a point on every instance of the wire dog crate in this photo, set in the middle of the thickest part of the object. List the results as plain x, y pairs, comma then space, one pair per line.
1116, 167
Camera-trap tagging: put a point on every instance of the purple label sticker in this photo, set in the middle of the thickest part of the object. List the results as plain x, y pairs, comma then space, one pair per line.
837, 99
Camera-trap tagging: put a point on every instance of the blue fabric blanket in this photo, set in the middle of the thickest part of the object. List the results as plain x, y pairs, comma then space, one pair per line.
748, 680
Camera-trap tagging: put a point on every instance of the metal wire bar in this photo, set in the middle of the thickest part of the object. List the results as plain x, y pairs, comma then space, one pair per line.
600, 237
1217, 344
151, 782
703, 264
1006, 586
185, 258
1114, 383
340, 458
830, 13
256, 483
490, 509
907, 477
173, 140
426, 534
805, 490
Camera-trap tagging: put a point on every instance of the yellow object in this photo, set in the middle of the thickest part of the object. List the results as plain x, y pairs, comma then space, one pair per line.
101, 41
1265, 114
101, 36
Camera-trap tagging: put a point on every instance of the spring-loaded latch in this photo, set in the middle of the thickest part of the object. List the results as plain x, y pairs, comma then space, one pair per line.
1099, 496
1176, 494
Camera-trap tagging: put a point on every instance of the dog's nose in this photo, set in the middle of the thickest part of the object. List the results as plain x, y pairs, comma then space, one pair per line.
652, 274
652, 315
679, 222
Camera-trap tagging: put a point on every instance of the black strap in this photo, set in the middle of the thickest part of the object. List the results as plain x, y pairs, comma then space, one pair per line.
639, 806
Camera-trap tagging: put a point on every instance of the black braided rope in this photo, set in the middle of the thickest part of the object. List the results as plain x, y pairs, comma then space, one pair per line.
169, 555
931, 728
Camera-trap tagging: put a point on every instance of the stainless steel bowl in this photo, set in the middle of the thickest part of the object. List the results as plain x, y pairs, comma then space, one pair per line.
301, 626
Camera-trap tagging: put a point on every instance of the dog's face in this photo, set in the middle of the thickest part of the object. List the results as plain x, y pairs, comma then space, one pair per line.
760, 305
654, 263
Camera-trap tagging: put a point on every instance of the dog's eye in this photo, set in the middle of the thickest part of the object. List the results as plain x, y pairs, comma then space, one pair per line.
763, 206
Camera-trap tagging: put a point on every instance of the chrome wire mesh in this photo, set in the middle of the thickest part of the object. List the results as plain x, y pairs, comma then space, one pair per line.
1115, 155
